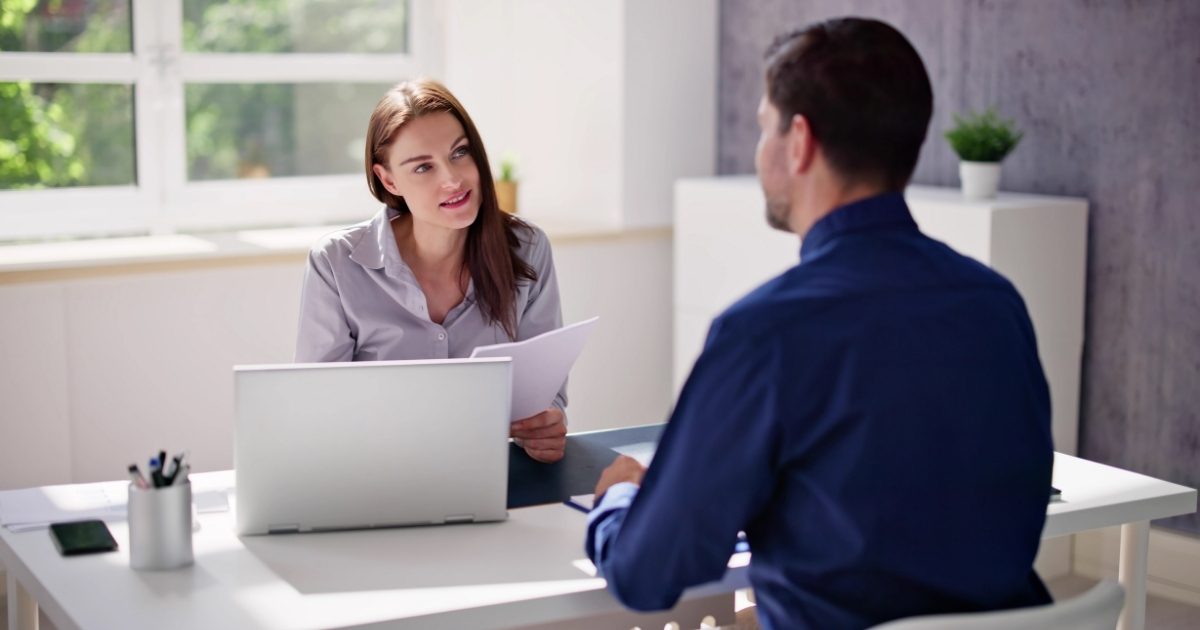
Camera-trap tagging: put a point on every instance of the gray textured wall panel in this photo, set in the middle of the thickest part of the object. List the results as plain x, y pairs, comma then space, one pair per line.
1109, 96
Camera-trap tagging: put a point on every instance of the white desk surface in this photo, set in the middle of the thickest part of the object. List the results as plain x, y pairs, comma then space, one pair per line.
488, 575
1095, 496
519, 572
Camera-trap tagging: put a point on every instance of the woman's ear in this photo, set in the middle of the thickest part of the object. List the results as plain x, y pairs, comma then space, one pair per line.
386, 179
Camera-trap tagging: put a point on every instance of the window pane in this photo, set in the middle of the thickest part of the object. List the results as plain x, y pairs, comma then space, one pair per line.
65, 26
66, 134
302, 26
277, 129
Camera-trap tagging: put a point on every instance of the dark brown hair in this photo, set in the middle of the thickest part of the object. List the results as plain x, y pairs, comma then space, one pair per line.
864, 91
492, 240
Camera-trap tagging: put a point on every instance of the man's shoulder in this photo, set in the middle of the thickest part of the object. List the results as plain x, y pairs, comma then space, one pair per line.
775, 303
842, 281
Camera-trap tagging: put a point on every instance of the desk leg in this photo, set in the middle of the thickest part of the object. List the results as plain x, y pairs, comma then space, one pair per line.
22, 607
1135, 547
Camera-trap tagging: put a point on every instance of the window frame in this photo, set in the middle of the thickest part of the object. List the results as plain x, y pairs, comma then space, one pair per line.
163, 200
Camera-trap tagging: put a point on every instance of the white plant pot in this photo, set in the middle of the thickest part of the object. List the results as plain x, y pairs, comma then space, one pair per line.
980, 180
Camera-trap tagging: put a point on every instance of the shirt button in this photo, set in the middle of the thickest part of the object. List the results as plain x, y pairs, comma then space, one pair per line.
441, 336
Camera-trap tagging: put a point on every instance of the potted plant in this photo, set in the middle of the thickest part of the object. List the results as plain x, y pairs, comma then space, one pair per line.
981, 142
506, 184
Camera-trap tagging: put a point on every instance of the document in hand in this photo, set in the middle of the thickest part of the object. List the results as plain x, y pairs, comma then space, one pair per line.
540, 365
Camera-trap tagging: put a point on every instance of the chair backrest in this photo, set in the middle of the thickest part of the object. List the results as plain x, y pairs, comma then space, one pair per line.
1096, 609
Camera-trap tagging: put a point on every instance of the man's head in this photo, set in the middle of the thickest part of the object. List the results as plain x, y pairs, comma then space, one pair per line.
846, 109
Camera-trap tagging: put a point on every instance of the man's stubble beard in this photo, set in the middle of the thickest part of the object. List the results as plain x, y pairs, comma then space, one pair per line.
777, 214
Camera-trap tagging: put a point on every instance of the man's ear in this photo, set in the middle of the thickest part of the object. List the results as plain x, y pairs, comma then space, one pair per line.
801, 146
386, 179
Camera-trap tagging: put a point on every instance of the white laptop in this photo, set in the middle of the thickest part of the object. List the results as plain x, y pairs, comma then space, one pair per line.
331, 446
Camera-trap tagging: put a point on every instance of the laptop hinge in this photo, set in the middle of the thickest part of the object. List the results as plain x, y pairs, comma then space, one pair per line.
461, 518
289, 528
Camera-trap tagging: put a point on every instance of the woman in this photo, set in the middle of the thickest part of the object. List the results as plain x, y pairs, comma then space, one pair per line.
441, 269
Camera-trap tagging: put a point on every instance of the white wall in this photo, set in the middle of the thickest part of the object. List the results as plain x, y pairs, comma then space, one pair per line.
669, 103
35, 446
538, 77
96, 373
623, 377
605, 102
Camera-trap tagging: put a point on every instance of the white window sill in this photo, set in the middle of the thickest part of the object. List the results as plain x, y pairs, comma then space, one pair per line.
139, 254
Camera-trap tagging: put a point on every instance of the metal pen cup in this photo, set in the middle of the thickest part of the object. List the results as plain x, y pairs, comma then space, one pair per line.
160, 527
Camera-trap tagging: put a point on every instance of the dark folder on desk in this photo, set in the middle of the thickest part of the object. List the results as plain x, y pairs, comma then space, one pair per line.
531, 482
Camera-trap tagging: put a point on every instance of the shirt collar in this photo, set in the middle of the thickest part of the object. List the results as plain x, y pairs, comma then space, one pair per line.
881, 212
377, 249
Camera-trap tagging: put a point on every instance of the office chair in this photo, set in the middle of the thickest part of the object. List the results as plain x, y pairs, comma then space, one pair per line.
1096, 609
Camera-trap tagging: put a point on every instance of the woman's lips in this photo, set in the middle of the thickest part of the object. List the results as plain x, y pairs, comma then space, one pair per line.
457, 201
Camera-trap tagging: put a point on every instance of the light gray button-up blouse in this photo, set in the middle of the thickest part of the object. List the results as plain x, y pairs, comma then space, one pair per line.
361, 302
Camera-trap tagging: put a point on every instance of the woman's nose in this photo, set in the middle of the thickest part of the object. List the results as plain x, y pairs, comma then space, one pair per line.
453, 182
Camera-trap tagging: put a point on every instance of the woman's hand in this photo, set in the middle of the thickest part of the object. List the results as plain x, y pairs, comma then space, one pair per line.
543, 436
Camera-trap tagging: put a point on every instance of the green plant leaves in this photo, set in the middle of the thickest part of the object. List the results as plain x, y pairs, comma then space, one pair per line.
983, 137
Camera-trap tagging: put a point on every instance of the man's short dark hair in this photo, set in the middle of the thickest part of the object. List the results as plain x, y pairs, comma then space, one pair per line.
864, 91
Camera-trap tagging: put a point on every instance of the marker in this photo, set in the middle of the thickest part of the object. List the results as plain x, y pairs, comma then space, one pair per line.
135, 476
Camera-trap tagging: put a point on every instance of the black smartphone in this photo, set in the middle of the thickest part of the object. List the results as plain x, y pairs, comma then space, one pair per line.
80, 537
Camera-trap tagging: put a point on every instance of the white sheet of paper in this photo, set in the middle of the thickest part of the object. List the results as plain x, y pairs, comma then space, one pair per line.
51, 504
643, 452
540, 365
585, 501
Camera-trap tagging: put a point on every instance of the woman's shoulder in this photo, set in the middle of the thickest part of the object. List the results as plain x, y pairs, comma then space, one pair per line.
533, 244
338, 244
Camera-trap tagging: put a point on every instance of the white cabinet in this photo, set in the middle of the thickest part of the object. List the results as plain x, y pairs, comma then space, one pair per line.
724, 248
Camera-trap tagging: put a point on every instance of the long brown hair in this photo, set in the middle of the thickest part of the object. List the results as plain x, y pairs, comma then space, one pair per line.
491, 249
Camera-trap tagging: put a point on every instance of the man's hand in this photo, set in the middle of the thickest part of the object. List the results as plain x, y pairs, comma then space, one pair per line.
543, 436
624, 469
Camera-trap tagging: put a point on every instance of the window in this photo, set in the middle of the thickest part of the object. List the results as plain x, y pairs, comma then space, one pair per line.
125, 116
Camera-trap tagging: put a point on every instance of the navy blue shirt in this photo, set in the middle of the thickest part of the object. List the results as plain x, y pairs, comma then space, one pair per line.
875, 419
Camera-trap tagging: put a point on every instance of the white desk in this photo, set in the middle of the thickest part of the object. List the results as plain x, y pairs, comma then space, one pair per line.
1096, 496
518, 573
501, 575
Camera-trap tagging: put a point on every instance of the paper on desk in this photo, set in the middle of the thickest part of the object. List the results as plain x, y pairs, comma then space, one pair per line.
643, 452
540, 365
582, 502
36, 508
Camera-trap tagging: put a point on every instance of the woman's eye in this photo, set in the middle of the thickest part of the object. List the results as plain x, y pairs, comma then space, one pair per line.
422, 168
460, 151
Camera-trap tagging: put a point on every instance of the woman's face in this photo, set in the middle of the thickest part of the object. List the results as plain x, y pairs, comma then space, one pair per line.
430, 166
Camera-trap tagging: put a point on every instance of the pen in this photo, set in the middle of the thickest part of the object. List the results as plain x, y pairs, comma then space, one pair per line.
177, 465
135, 476
181, 476
156, 472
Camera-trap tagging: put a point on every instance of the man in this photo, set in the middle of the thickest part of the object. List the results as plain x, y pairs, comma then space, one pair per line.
875, 419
